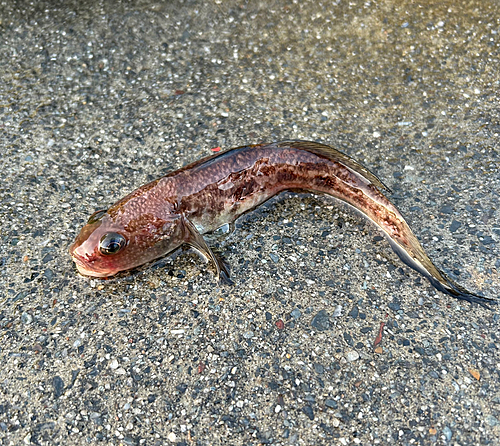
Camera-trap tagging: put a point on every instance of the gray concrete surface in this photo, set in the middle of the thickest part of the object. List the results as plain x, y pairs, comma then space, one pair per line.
98, 98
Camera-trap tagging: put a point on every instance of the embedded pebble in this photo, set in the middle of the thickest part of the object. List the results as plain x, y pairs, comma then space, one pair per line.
447, 433
353, 355
491, 420
321, 321
58, 385
309, 412
26, 318
318, 368
332, 404
338, 311
113, 365
274, 257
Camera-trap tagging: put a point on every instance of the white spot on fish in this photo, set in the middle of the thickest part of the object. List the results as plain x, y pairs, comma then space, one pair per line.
225, 186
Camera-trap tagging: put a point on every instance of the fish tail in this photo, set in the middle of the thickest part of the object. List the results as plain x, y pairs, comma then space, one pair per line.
421, 263
379, 210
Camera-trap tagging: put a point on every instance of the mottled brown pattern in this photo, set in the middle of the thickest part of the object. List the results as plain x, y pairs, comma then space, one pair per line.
218, 189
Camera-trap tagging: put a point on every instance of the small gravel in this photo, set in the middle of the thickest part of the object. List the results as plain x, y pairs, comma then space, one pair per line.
352, 356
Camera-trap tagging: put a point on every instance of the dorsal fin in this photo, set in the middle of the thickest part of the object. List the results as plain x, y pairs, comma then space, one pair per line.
335, 155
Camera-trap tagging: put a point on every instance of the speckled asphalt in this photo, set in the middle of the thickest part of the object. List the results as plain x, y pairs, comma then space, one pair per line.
97, 99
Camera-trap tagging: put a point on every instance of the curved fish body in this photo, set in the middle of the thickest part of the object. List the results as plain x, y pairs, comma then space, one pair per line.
180, 207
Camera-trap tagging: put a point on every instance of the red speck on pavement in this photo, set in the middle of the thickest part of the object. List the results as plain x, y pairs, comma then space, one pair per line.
216, 149
378, 339
280, 325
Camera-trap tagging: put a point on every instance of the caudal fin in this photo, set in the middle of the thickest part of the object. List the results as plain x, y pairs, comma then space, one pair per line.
458, 291
439, 279
404, 242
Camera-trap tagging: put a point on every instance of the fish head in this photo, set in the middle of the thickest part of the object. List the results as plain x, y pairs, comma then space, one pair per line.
110, 243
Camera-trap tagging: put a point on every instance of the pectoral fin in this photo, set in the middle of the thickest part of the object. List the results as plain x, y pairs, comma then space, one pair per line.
196, 240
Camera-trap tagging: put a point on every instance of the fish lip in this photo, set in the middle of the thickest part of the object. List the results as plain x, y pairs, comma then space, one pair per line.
87, 272
83, 269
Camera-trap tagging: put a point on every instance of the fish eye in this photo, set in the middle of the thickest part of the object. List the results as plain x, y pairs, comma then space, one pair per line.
111, 243
96, 216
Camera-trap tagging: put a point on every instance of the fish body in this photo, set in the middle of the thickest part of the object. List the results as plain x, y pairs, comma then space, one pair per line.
180, 207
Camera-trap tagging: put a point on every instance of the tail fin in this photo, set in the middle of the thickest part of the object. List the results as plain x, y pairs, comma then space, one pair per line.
438, 279
411, 252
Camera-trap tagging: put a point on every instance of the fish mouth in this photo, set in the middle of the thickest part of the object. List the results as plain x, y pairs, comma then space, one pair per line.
85, 262
88, 272
84, 270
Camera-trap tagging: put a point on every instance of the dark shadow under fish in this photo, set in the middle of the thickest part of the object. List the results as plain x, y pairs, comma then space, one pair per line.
183, 205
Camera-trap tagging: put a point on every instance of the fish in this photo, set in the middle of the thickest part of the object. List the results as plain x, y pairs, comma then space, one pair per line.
182, 206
